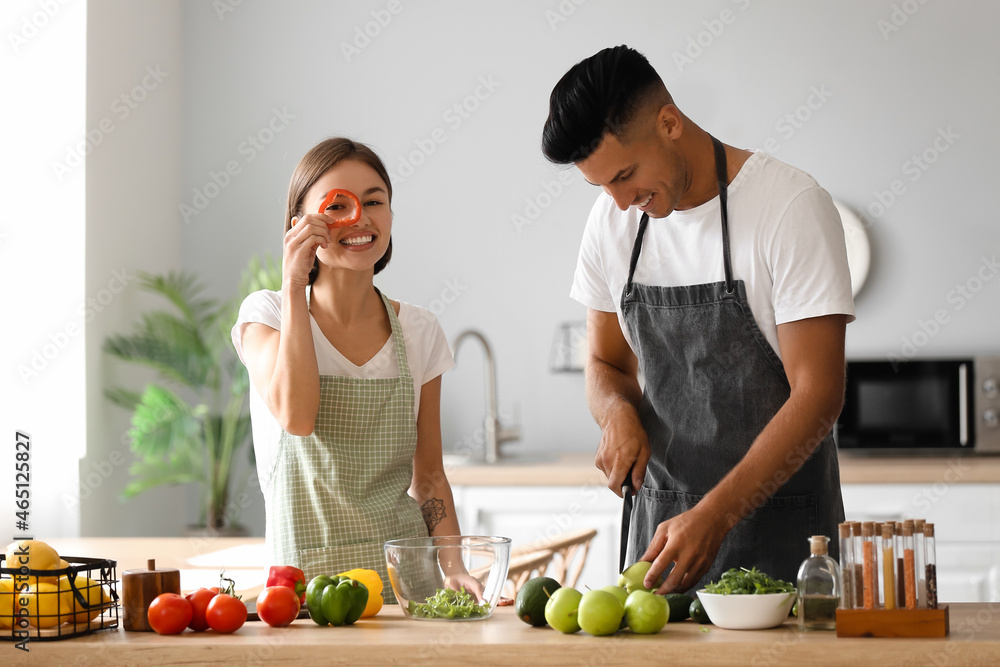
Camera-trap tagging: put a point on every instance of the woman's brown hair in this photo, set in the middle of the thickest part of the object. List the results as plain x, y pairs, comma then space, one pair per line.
323, 157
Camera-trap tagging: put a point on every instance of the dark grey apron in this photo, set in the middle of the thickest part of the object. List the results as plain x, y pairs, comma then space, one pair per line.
712, 383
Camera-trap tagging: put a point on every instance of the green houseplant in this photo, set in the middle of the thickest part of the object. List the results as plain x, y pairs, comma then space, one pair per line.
189, 425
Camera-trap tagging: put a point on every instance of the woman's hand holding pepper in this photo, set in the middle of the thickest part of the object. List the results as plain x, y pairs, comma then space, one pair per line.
307, 235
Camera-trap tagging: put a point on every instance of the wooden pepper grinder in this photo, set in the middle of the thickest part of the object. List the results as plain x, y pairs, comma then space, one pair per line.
140, 588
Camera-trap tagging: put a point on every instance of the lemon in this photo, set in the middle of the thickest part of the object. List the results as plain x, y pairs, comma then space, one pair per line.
6, 603
97, 597
47, 605
35, 555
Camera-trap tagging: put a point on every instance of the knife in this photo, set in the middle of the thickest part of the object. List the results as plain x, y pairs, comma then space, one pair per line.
626, 520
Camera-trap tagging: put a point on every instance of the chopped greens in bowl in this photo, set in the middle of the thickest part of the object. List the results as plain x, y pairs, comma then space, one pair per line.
741, 581
448, 603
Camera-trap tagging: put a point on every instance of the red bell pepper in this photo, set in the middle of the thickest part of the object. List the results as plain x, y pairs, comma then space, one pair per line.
342, 222
291, 577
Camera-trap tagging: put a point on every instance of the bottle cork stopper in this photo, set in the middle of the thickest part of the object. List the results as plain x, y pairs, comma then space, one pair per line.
867, 528
928, 530
845, 529
918, 525
907, 528
888, 530
856, 528
817, 545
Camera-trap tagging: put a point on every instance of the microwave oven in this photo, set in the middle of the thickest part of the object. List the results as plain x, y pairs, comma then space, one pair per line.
921, 405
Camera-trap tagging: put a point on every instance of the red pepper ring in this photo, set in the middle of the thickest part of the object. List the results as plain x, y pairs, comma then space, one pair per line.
344, 222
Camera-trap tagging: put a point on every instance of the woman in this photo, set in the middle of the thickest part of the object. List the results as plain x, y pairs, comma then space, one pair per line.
346, 412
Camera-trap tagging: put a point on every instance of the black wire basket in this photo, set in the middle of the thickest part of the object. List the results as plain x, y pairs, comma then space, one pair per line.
47, 605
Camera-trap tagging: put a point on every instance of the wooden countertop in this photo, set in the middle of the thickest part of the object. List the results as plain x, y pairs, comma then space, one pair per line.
391, 639
577, 469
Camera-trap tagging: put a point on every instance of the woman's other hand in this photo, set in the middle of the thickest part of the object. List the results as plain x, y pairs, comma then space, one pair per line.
472, 586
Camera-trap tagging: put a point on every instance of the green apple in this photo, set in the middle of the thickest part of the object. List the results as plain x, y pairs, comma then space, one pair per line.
646, 613
561, 610
600, 613
632, 578
618, 592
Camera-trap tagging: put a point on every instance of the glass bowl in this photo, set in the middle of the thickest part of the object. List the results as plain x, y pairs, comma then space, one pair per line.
747, 612
450, 578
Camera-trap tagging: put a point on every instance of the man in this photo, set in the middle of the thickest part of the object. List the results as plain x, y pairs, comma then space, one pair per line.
719, 276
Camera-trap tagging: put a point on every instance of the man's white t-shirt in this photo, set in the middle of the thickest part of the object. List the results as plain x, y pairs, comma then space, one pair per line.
427, 353
786, 242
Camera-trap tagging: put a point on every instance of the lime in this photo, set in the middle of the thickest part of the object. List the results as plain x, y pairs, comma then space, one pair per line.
680, 606
529, 604
698, 613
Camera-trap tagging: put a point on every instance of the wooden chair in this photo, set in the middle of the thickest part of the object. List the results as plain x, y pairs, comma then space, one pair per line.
525, 566
567, 556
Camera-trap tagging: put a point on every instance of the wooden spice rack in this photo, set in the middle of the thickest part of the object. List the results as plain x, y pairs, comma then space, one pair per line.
893, 622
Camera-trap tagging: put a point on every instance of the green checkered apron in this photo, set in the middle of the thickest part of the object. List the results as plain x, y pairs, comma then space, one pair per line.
338, 494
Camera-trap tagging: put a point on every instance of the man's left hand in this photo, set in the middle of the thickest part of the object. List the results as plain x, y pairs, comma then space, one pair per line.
690, 540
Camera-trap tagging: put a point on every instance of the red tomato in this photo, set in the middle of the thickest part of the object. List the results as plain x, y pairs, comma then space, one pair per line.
226, 613
199, 600
169, 614
278, 606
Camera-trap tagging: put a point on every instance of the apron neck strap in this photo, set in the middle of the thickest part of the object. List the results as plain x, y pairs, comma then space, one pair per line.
722, 175
397, 337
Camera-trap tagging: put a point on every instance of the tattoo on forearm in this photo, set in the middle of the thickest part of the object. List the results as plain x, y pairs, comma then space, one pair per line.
433, 511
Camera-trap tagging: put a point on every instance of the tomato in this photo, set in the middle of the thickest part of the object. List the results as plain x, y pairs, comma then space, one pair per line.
278, 606
199, 600
226, 613
169, 614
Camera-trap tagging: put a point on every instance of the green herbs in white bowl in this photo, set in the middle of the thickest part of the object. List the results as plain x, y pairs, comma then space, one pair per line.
745, 599
741, 581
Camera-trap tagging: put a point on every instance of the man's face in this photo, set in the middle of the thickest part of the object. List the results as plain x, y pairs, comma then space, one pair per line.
647, 171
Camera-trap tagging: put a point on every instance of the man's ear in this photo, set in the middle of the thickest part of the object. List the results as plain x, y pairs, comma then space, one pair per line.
670, 122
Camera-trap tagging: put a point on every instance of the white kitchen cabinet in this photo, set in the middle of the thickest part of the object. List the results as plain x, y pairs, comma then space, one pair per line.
966, 520
527, 514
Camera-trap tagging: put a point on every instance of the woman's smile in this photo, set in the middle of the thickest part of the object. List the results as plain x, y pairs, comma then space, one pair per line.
358, 240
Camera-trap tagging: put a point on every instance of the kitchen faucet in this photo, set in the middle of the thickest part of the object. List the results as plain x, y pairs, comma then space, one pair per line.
496, 434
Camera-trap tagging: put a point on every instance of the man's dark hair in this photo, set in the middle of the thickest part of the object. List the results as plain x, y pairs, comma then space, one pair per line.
596, 96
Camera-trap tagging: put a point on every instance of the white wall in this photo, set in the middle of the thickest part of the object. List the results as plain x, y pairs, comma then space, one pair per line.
885, 97
42, 391
134, 85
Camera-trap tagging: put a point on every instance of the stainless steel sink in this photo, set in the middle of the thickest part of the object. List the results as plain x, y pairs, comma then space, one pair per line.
509, 459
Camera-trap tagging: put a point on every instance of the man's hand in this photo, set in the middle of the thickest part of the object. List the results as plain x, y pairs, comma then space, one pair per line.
624, 447
614, 396
691, 540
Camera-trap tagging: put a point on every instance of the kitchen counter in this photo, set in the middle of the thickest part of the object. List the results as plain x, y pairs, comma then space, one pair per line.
391, 639
577, 469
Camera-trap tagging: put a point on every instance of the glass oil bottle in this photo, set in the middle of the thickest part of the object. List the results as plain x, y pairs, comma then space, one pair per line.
819, 587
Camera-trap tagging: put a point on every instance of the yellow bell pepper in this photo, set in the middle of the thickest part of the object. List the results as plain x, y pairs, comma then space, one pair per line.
373, 583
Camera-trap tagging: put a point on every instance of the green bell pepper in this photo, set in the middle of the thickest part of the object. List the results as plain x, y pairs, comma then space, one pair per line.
335, 600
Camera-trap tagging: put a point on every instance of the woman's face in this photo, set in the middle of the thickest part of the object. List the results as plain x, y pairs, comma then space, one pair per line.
361, 245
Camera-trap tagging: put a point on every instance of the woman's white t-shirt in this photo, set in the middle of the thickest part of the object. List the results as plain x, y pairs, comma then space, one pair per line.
427, 353
786, 242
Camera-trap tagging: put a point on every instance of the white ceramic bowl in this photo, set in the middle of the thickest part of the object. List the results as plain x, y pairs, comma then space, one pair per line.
747, 612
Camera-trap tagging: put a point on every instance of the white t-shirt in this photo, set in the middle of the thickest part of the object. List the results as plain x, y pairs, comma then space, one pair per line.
427, 353
786, 240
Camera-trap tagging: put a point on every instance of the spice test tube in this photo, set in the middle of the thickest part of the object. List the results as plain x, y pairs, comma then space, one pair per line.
900, 569
930, 566
909, 565
888, 565
918, 563
859, 557
846, 566
868, 564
